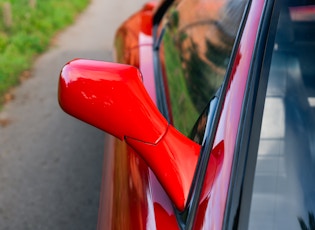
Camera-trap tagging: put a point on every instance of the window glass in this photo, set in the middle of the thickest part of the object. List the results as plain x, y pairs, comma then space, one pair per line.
196, 48
284, 189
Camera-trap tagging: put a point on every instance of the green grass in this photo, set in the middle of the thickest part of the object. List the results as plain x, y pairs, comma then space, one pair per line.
30, 34
183, 110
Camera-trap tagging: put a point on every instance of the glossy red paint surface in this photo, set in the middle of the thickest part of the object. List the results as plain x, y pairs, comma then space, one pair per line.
133, 45
133, 195
212, 204
127, 40
173, 161
111, 97
146, 64
154, 207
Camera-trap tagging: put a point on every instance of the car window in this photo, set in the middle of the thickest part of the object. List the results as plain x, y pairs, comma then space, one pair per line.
196, 48
284, 189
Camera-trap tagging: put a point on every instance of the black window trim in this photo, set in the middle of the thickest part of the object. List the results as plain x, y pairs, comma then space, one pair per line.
201, 168
245, 154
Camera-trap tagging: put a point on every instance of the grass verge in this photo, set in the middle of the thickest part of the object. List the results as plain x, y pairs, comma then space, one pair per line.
26, 29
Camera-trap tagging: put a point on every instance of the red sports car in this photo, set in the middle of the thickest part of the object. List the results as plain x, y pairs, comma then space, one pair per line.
212, 115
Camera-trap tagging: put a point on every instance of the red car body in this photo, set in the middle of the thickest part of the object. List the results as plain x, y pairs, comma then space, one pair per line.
149, 192
154, 202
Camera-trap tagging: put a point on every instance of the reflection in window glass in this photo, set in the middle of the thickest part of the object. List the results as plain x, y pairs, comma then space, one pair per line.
197, 45
284, 189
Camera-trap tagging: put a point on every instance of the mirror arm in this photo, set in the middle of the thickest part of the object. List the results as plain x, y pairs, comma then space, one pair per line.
112, 97
173, 160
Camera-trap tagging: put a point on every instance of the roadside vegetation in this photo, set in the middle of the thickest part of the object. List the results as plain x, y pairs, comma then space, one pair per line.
26, 30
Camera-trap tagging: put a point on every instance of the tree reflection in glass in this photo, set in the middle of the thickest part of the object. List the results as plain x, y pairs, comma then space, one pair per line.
196, 48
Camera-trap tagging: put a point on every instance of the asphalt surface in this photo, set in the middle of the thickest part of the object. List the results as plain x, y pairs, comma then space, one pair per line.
51, 163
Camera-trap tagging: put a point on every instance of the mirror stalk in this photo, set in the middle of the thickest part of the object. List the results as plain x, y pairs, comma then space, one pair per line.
112, 98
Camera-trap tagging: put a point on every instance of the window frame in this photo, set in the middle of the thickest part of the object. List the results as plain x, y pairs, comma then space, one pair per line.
245, 154
187, 217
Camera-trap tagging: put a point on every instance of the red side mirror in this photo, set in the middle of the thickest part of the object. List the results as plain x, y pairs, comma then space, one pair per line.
112, 97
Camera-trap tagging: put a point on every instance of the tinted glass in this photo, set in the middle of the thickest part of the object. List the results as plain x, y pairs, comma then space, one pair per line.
196, 49
284, 189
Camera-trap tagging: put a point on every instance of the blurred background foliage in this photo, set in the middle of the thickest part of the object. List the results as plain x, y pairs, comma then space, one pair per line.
26, 30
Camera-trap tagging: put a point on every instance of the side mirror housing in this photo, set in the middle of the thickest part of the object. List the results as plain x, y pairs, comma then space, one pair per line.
112, 98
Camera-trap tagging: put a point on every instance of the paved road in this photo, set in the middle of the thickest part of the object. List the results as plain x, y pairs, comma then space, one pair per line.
50, 163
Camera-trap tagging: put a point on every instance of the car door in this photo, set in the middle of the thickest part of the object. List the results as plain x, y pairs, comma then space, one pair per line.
203, 53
